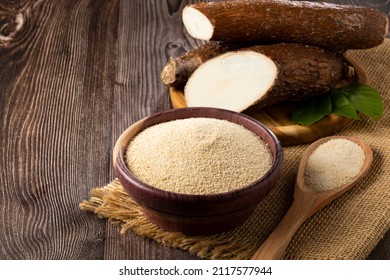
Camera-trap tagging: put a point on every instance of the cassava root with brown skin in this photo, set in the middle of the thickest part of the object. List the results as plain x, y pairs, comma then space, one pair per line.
330, 26
263, 75
178, 69
303, 72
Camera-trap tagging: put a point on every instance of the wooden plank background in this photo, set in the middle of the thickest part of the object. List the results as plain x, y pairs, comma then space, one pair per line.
73, 76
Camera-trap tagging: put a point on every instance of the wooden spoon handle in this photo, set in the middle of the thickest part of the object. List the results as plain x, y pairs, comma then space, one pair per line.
275, 245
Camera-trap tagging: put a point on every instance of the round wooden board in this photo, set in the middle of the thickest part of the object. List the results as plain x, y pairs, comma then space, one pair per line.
277, 117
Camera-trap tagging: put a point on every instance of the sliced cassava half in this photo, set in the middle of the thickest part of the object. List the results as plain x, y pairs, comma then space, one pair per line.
178, 69
331, 26
261, 76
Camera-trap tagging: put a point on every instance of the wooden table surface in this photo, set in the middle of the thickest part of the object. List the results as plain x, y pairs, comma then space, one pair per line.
73, 76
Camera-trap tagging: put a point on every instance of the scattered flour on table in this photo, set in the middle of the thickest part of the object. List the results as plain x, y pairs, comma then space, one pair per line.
333, 164
198, 156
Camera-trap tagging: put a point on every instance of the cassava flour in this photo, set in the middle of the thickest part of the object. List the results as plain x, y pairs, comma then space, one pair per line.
198, 156
333, 164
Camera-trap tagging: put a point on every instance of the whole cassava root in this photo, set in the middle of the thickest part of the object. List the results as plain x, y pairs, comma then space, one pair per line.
331, 26
178, 69
263, 75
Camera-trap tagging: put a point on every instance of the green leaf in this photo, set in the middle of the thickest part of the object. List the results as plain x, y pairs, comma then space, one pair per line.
342, 106
365, 99
345, 101
312, 110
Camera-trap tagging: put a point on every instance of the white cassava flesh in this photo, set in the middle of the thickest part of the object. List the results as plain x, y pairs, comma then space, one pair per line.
233, 81
197, 24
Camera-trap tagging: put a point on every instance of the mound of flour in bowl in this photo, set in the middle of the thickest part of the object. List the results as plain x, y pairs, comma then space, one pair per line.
198, 156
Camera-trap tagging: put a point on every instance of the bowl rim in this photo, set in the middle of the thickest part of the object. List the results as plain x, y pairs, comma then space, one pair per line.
148, 195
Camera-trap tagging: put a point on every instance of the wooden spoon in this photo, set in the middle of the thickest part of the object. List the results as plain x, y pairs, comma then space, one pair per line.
306, 203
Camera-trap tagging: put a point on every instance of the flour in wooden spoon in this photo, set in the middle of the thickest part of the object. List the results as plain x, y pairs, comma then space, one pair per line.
333, 164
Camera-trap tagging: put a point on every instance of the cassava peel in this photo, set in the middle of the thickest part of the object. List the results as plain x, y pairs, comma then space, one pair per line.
330, 26
263, 75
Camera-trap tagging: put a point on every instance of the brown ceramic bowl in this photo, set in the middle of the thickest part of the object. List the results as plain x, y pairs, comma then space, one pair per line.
197, 214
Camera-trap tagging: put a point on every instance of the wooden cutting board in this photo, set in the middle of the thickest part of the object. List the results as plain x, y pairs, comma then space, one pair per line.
277, 117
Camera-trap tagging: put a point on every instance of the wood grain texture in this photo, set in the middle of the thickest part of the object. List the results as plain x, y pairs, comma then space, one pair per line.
73, 76
56, 81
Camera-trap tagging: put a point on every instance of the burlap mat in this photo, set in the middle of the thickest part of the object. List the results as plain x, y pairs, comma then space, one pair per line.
348, 228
